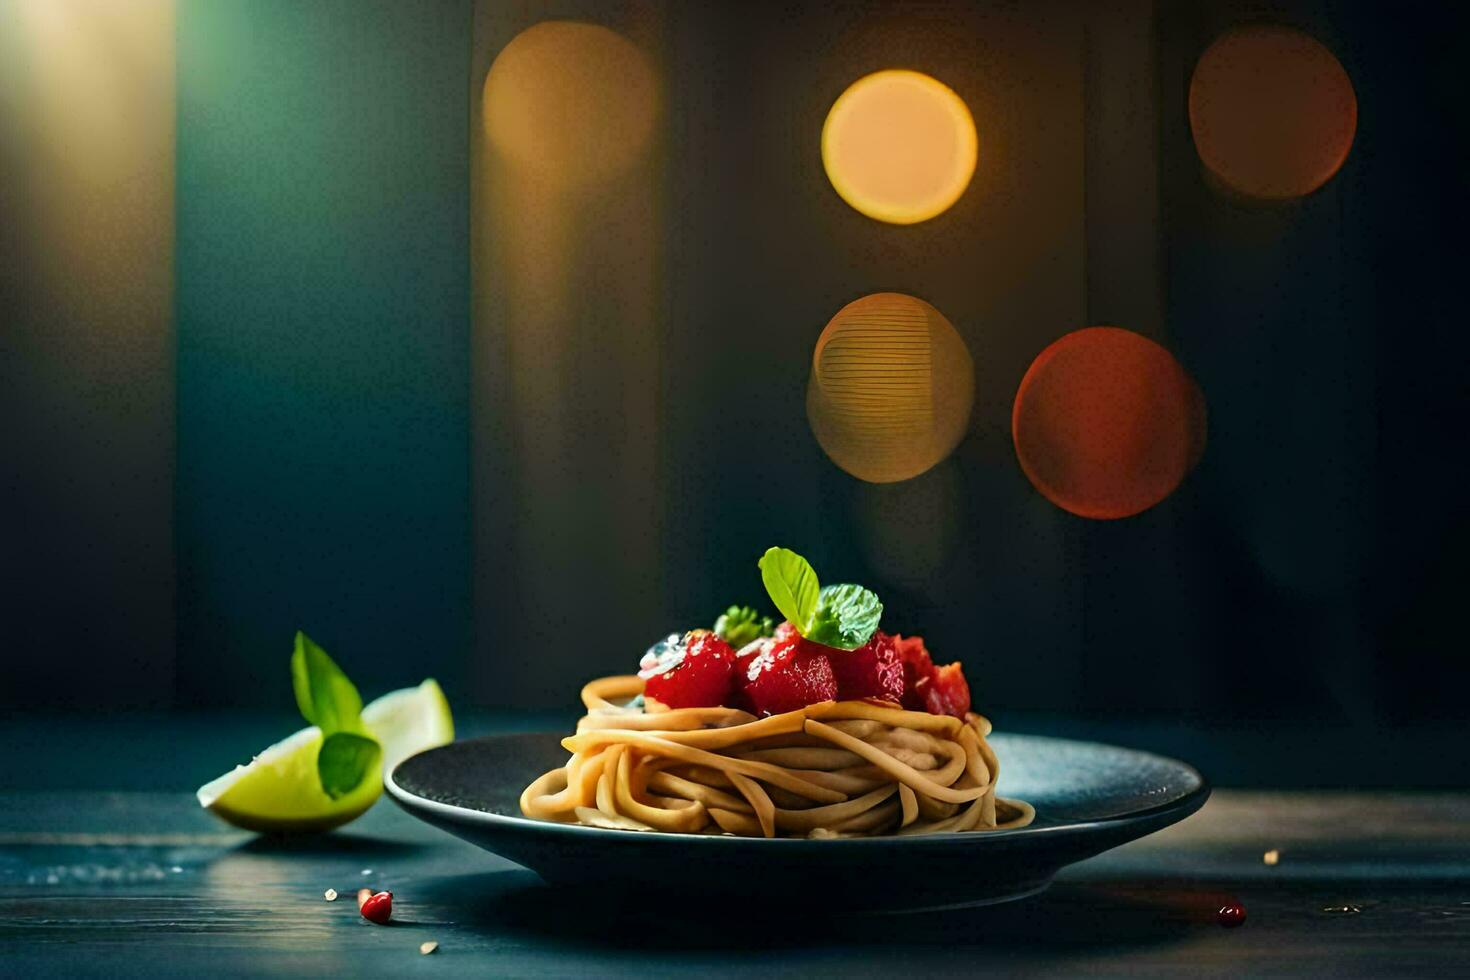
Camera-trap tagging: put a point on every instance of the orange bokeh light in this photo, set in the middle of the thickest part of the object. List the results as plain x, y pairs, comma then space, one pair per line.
1272, 111
1106, 423
899, 146
891, 387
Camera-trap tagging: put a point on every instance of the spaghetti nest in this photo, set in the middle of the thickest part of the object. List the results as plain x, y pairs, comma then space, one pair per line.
835, 769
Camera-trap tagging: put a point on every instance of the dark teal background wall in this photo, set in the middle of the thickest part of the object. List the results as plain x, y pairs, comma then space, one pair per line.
323, 342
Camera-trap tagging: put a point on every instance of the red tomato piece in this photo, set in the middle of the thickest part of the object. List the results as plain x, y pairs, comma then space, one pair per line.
946, 692
874, 670
917, 666
786, 675
703, 679
927, 687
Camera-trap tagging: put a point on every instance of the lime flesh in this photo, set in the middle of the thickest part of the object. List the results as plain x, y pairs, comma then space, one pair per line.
408, 721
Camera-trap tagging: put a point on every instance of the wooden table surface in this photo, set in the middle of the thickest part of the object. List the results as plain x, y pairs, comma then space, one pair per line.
143, 883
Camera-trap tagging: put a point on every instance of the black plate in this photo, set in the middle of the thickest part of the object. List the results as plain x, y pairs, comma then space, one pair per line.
1088, 798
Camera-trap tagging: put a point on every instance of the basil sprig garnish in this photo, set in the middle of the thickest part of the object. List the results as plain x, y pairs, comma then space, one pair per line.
841, 616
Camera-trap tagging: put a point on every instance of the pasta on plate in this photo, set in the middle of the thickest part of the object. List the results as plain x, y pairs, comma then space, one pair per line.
836, 768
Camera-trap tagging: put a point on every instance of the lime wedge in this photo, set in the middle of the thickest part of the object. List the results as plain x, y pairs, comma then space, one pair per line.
408, 721
280, 791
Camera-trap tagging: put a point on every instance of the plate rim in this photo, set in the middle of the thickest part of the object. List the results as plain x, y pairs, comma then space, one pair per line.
1185, 806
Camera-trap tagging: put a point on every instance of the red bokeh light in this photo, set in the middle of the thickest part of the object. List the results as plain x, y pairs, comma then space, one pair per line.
1106, 423
1272, 111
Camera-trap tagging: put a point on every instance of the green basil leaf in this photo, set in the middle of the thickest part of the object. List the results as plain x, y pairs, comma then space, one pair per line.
845, 618
325, 696
792, 584
739, 625
345, 760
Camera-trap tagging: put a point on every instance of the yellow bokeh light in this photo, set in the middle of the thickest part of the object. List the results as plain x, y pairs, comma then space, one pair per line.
570, 102
899, 146
891, 388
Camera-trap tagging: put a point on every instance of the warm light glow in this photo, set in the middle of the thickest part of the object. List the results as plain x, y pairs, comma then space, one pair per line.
567, 302
1272, 111
88, 149
570, 102
899, 146
891, 388
1106, 423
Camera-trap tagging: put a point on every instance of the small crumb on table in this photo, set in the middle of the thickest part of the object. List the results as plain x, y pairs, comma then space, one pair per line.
428, 947
330, 894
1271, 857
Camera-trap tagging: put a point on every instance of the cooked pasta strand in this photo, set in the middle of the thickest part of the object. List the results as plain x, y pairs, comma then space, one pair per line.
916, 780
835, 813
740, 824
684, 820
910, 803
765, 811
711, 797
761, 770
824, 759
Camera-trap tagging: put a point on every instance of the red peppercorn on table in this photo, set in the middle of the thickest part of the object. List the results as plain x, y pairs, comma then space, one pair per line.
141, 882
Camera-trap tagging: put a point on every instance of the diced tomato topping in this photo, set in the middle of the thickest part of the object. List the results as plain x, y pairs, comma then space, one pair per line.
927, 687
786, 672
872, 671
786, 675
703, 679
917, 665
946, 692
744, 657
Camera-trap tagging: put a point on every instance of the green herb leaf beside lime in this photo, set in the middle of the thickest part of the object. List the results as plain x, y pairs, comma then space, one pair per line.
330, 701
325, 696
344, 760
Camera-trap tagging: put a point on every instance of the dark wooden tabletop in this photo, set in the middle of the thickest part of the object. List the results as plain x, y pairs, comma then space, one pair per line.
143, 883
